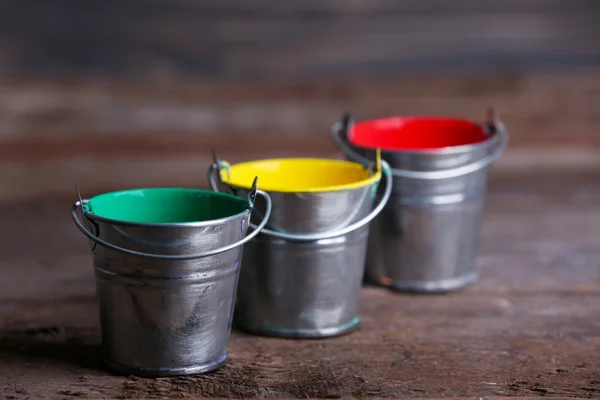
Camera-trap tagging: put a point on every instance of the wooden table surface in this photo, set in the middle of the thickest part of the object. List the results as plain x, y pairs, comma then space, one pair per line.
530, 327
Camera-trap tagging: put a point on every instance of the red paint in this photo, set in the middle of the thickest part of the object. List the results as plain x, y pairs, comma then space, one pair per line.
415, 133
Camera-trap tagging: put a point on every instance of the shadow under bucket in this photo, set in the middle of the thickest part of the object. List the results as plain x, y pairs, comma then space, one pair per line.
426, 238
302, 276
167, 263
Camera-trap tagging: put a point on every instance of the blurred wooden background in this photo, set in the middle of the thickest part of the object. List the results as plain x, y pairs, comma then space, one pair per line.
131, 93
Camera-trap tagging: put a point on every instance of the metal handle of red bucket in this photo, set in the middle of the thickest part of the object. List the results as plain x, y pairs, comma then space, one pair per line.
256, 230
339, 132
218, 164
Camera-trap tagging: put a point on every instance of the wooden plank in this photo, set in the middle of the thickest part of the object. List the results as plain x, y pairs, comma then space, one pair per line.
126, 134
537, 108
527, 329
408, 347
266, 40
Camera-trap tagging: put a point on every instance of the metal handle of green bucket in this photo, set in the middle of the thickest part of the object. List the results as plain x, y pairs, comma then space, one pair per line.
208, 253
218, 164
339, 134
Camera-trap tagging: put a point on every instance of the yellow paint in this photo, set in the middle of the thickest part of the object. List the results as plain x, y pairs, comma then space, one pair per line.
300, 175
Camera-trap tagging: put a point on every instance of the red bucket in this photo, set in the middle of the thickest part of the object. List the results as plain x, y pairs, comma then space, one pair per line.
416, 133
410, 141
426, 237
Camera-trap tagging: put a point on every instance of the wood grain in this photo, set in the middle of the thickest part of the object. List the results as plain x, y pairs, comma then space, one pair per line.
114, 134
529, 328
297, 38
558, 108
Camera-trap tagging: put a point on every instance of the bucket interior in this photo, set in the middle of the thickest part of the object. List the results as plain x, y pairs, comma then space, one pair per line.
416, 133
300, 175
165, 205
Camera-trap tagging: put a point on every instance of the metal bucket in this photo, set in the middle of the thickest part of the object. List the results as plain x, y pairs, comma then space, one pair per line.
302, 276
426, 238
167, 264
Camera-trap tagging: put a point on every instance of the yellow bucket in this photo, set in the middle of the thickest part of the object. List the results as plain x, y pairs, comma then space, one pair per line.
301, 276
300, 175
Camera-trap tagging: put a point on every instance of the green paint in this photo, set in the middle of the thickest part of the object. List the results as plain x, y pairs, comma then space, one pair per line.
165, 205
387, 171
374, 189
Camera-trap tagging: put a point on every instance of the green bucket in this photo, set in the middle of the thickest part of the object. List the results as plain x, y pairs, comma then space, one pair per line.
170, 206
167, 262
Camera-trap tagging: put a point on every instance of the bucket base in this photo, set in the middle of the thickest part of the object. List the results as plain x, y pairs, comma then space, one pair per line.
162, 372
441, 286
302, 333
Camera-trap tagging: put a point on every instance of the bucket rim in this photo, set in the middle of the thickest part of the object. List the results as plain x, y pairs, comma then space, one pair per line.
195, 224
443, 150
375, 177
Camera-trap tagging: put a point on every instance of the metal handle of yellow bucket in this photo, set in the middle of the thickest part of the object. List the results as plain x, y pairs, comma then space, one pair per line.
339, 134
216, 166
208, 253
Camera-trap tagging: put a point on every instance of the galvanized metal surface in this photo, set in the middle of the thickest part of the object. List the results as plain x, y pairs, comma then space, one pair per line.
426, 239
302, 276
302, 289
166, 291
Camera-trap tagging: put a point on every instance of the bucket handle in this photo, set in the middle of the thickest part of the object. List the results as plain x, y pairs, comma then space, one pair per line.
218, 165
339, 133
250, 236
